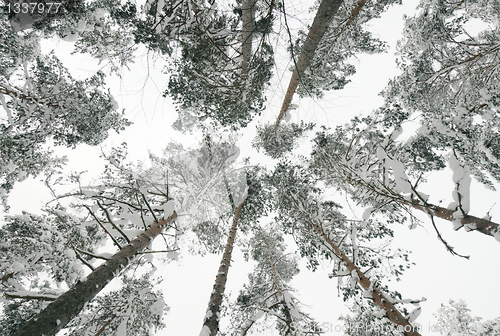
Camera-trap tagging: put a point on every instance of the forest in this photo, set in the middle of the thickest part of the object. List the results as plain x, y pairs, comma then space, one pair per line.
235, 154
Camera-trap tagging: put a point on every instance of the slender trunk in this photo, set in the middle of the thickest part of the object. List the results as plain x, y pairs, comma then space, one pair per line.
211, 322
379, 298
324, 16
60, 312
482, 225
247, 23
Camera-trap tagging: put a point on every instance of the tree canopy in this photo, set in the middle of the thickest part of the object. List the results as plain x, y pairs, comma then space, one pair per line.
93, 259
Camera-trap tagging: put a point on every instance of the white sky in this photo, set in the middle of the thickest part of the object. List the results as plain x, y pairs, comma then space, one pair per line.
438, 275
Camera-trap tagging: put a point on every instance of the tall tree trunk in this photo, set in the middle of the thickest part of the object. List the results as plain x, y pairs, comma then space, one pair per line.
211, 322
378, 297
247, 28
393, 314
60, 312
324, 16
482, 225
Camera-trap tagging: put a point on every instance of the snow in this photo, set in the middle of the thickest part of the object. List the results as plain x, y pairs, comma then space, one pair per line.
258, 315
168, 208
100, 13
72, 37
396, 133
208, 314
122, 328
106, 255
88, 193
461, 177
6, 108
173, 255
17, 266
157, 308
381, 155
131, 234
287, 116
458, 170
148, 257
400, 177
205, 331
497, 236
70, 254
415, 313
367, 213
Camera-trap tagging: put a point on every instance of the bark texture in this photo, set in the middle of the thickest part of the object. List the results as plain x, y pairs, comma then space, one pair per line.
379, 298
324, 16
247, 23
482, 225
60, 312
212, 317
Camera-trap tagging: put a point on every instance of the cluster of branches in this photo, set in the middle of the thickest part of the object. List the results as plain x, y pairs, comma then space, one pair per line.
131, 206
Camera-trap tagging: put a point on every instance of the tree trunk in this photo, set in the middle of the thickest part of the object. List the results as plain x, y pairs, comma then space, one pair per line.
247, 23
379, 298
60, 312
211, 322
482, 225
324, 16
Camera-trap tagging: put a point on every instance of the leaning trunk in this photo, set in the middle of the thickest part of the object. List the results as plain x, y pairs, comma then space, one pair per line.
393, 314
482, 225
324, 16
60, 312
211, 322
378, 297
247, 28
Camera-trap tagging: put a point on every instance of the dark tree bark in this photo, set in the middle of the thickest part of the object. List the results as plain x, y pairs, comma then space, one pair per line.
378, 297
482, 225
212, 318
247, 23
324, 16
60, 312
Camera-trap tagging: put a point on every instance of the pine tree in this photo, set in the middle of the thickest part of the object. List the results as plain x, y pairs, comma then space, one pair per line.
383, 175
455, 319
320, 229
448, 82
267, 298
224, 66
130, 201
42, 102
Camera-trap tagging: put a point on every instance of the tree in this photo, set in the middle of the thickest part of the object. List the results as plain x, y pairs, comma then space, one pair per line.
455, 319
126, 204
376, 169
133, 309
183, 197
267, 298
59, 313
41, 102
211, 321
316, 223
322, 20
218, 76
448, 81
336, 34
